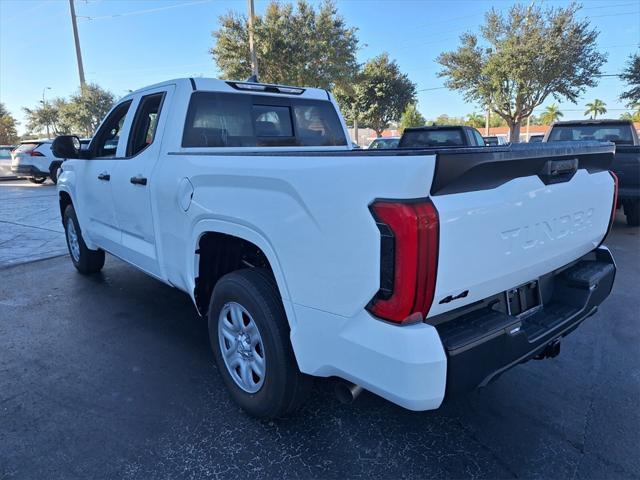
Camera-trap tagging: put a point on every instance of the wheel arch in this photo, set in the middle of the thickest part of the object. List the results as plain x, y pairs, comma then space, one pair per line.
64, 199
219, 247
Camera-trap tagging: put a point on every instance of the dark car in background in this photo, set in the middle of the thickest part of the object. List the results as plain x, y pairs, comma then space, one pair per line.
536, 138
626, 162
384, 142
438, 136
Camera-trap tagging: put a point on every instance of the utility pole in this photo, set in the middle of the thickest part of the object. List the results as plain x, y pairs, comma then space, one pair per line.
77, 41
487, 121
252, 48
44, 105
528, 123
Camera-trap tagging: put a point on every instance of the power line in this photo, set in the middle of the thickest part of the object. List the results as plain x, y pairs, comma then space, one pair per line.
430, 89
142, 12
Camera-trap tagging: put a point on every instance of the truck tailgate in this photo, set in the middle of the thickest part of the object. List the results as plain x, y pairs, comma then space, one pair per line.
508, 217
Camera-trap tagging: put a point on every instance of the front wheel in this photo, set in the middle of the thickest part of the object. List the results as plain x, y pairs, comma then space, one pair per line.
85, 260
37, 180
249, 335
632, 212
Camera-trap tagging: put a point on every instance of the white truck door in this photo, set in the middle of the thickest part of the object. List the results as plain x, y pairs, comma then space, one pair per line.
132, 182
94, 187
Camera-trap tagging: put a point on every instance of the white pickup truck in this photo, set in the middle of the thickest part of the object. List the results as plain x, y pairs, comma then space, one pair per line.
415, 274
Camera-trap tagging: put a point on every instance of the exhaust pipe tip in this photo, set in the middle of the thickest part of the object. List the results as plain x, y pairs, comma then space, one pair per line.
347, 392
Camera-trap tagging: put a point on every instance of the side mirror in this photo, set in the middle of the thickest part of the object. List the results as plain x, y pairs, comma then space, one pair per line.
66, 146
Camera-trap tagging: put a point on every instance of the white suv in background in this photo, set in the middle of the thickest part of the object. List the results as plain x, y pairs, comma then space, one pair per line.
33, 159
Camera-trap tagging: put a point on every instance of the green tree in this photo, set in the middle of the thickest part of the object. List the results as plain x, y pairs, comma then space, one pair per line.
634, 115
551, 114
45, 117
301, 46
8, 124
476, 120
595, 108
85, 109
379, 95
524, 57
631, 75
445, 119
411, 117
80, 114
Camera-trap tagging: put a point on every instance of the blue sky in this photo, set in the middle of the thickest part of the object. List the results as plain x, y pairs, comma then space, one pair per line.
130, 44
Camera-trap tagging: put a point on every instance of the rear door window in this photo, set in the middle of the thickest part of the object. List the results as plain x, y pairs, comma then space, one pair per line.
240, 120
478, 137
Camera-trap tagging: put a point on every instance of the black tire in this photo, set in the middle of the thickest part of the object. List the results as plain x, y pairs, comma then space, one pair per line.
284, 387
632, 212
37, 180
53, 173
87, 261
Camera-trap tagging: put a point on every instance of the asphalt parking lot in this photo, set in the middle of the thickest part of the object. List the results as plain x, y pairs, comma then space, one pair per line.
111, 376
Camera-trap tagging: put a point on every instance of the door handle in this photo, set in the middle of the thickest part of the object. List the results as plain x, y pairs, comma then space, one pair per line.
138, 180
104, 176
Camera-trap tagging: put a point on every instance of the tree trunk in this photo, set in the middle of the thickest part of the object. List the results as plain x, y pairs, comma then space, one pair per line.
514, 132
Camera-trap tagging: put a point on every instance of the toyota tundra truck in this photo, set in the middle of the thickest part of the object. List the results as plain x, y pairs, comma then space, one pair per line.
626, 163
415, 274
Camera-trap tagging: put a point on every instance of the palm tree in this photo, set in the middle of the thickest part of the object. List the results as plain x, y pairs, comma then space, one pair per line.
476, 120
595, 108
551, 114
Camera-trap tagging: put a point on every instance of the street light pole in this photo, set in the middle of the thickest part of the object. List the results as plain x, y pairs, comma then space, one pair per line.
252, 49
76, 39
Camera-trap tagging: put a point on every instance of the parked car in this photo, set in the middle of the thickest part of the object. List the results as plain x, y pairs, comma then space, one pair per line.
494, 140
384, 142
5, 160
626, 163
33, 159
536, 138
437, 136
414, 274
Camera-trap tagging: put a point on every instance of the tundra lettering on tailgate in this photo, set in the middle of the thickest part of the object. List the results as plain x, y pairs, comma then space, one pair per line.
526, 237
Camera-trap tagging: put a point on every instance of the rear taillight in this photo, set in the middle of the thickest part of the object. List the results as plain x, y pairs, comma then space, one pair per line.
34, 153
408, 260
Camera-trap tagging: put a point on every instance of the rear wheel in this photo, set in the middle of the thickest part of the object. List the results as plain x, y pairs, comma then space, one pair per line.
37, 180
249, 335
85, 260
632, 212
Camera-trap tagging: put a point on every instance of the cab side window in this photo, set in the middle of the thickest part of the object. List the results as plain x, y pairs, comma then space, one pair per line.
106, 140
145, 122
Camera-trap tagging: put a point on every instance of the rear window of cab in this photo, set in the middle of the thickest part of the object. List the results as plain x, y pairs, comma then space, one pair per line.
241, 120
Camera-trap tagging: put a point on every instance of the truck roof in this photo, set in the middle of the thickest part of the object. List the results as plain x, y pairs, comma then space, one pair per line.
216, 85
434, 127
603, 121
